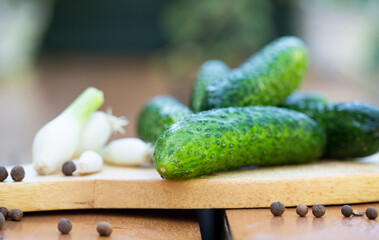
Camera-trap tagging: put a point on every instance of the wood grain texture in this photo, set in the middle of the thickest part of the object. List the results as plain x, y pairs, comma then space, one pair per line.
126, 224
117, 187
261, 224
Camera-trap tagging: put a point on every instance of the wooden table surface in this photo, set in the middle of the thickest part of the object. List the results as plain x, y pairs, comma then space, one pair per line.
325, 182
261, 224
126, 224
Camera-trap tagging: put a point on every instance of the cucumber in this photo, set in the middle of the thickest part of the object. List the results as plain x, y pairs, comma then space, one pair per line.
352, 128
305, 98
228, 138
267, 78
310, 103
210, 72
158, 114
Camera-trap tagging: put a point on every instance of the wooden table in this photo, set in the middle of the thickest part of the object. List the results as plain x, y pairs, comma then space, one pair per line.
127, 224
183, 224
261, 224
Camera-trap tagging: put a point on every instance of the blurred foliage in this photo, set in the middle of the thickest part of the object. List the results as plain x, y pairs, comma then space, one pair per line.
22, 25
198, 30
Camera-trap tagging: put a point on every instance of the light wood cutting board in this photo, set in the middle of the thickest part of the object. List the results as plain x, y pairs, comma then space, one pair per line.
328, 182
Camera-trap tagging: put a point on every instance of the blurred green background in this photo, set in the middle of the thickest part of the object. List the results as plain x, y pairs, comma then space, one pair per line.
177, 36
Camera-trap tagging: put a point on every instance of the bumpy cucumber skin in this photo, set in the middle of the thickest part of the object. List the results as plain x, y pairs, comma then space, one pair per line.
158, 114
210, 72
299, 98
267, 78
312, 104
223, 139
352, 128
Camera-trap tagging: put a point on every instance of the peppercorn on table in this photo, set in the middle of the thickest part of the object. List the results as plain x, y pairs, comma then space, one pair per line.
261, 224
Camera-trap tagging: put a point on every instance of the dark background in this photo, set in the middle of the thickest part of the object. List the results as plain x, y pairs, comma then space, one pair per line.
106, 26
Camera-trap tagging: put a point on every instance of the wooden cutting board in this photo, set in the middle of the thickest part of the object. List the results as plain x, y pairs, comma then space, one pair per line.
327, 182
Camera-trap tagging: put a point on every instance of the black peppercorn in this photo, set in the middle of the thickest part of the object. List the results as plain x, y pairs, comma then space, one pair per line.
64, 226
104, 229
3, 173
15, 214
346, 210
318, 210
18, 173
277, 208
4, 211
68, 168
302, 210
2, 220
371, 213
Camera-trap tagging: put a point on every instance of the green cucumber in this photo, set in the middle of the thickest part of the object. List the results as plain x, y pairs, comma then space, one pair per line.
267, 78
300, 98
210, 72
352, 128
310, 103
222, 139
158, 114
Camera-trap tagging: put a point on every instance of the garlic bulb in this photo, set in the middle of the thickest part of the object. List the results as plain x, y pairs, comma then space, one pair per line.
97, 131
57, 141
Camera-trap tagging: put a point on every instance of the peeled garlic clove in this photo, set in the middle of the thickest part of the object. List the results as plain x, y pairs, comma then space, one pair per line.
88, 162
127, 151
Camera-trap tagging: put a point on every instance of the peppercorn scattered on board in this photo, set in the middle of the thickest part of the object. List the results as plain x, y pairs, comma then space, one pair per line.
326, 182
